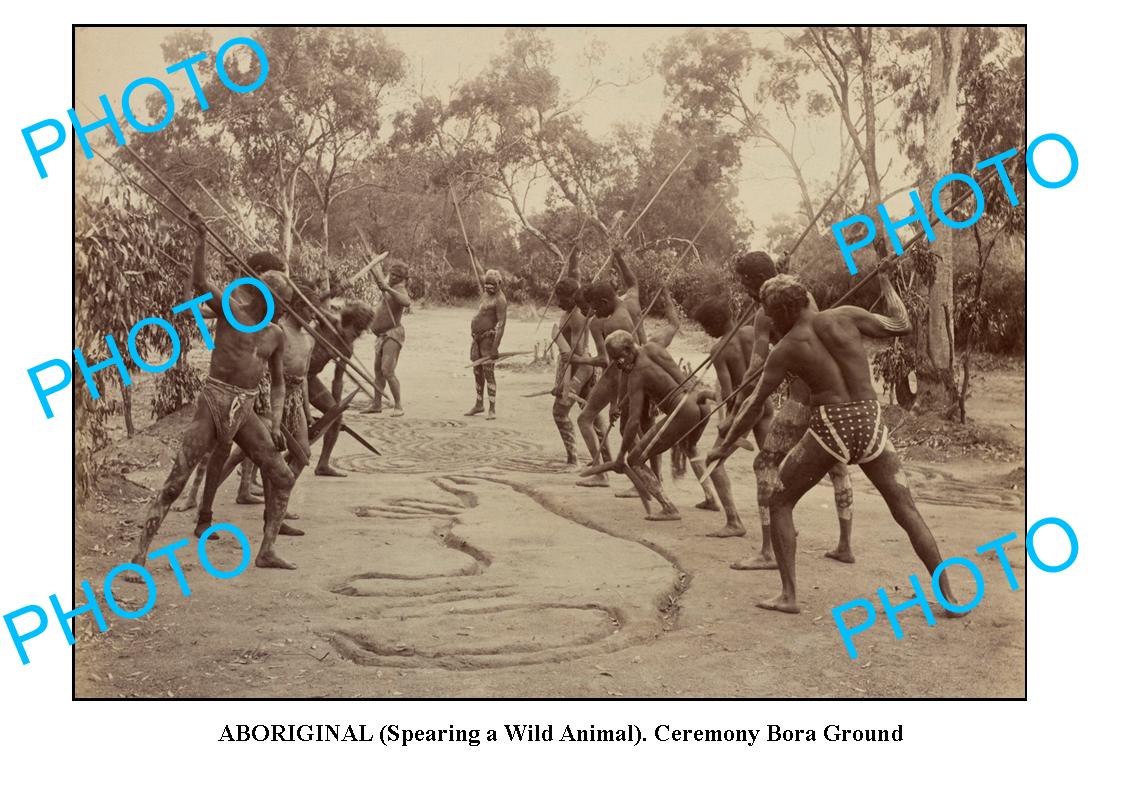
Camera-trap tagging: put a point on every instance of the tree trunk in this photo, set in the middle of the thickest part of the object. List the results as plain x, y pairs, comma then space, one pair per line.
935, 375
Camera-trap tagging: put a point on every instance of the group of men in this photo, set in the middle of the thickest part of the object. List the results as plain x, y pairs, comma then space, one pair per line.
262, 385
830, 419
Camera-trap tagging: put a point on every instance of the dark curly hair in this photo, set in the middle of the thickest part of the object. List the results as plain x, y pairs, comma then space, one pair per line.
357, 314
599, 291
261, 262
754, 267
714, 316
783, 298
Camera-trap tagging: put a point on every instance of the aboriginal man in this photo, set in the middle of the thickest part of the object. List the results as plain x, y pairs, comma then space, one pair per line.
786, 428
825, 350
355, 318
611, 313
487, 333
387, 325
224, 412
572, 382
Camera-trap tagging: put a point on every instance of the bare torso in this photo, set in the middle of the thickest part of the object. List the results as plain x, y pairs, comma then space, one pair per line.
487, 316
239, 358
826, 352
387, 314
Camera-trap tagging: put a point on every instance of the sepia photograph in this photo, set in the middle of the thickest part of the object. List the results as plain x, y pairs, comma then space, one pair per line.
548, 363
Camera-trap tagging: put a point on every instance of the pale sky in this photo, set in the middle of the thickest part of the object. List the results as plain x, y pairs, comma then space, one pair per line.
107, 59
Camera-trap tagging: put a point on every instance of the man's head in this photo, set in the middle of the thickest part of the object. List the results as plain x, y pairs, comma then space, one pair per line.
356, 318
302, 287
261, 262
713, 314
784, 298
397, 271
754, 269
621, 349
281, 289
567, 293
602, 298
492, 281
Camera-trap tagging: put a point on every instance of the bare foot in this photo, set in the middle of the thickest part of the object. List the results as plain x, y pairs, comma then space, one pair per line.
475, 410
760, 562
327, 469
779, 603
666, 515
728, 530
838, 554
289, 530
291, 515
594, 480
372, 410
709, 504
628, 493
397, 412
132, 577
249, 499
271, 560
490, 414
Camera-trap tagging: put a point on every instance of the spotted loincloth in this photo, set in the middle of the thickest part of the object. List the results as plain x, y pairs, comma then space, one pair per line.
853, 432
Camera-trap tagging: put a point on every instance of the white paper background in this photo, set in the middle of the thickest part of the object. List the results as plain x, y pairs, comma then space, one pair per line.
1060, 738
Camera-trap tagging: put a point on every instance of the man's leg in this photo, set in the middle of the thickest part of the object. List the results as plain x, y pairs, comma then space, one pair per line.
298, 427
659, 437
215, 466
379, 380
489, 375
599, 397
320, 398
843, 501
888, 476
255, 440
775, 440
197, 442
561, 410
191, 498
802, 469
478, 372
390, 352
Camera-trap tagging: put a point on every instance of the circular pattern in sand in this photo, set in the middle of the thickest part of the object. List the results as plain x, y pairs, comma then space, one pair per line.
428, 446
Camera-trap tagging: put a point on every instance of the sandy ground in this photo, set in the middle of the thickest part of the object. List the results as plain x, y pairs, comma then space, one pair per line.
465, 563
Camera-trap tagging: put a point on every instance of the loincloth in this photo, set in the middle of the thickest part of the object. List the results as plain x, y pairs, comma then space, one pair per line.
852, 432
229, 406
262, 400
483, 345
292, 417
396, 333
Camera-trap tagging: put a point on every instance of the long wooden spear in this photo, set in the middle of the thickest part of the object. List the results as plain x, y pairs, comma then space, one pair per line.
250, 272
467, 244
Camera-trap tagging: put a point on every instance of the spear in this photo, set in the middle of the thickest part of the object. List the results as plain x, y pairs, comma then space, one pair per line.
751, 379
467, 245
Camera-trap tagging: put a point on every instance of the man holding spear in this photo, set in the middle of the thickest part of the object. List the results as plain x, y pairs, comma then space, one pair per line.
225, 410
387, 326
825, 350
487, 333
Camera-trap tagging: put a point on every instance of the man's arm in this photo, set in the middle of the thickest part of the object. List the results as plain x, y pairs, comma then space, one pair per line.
572, 270
199, 280
600, 360
631, 429
871, 324
277, 387
751, 411
725, 381
627, 276
400, 296
500, 319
